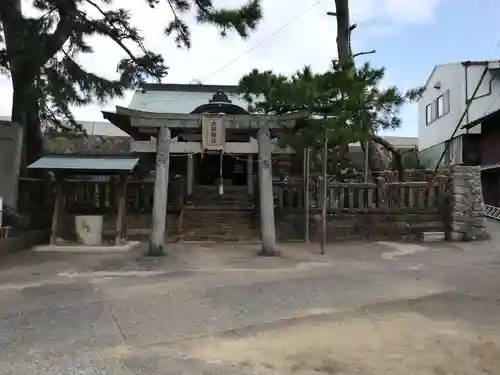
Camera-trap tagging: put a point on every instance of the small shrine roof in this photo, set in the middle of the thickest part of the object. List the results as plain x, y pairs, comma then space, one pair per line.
82, 164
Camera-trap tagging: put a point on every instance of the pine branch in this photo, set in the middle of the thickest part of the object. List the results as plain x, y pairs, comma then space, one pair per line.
363, 53
108, 27
183, 37
51, 43
241, 20
4, 61
40, 52
90, 83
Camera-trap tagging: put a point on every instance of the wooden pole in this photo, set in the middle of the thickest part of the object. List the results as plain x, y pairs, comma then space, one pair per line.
160, 193
125, 221
307, 153
324, 194
367, 145
120, 199
250, 186
268, 231
1, 212
57, 208
189, 176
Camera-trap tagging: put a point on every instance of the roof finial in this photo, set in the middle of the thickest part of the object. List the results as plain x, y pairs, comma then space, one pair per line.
220, 97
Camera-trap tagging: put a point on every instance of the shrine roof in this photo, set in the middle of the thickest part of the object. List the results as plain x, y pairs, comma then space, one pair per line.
180, 98
82, 164
189, 87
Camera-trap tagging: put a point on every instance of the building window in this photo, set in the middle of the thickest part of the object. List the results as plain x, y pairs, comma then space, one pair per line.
428, 113
446, 102
438, 108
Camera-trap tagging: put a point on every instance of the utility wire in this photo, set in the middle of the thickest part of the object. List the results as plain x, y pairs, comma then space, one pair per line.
262, 41
258, 44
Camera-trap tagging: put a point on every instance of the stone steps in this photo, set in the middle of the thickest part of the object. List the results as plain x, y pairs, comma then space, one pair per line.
227, 236
219, 218
215, 224
234, 198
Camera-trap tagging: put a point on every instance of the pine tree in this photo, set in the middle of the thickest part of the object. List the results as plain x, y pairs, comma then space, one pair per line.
346, 59
348, 105
39, 54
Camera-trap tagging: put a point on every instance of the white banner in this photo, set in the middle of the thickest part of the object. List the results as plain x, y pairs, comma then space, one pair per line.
214, 134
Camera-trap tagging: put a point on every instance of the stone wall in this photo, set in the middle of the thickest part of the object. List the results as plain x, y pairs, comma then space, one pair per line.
11, 136
458, 213
467, 219
367, 226
138, 225
92, 144
23, 240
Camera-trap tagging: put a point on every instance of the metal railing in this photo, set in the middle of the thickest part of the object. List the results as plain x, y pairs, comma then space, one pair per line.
492, 211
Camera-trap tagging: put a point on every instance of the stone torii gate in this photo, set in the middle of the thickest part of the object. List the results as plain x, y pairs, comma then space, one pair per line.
162, 125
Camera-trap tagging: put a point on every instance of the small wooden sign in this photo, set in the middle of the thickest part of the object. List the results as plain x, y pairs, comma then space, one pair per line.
214, 133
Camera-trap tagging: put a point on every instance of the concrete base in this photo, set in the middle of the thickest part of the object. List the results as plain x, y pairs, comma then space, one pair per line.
156, 251
23, 241
269, 252
77, 248
433, 236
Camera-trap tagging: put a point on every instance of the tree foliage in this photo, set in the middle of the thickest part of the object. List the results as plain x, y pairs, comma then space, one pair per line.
349, 106
40, 53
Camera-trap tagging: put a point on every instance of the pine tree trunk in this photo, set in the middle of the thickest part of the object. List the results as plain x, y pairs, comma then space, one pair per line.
346, 57
25, 109
372, 165
343, 32
25, 112
24, 68
398, 160
33, 131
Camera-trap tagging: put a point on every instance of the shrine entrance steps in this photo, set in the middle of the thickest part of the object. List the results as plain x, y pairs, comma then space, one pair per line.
212, 217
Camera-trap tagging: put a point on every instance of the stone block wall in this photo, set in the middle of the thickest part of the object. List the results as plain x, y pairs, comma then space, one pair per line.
88, 145
362, 226
138, 225
467, 220
459, 214
11, 136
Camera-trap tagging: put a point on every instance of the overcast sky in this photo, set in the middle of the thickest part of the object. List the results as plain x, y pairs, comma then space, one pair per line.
410, 36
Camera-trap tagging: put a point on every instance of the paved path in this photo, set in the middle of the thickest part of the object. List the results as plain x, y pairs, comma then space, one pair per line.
128, 314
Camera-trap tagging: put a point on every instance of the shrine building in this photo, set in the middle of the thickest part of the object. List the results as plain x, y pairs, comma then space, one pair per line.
212, 140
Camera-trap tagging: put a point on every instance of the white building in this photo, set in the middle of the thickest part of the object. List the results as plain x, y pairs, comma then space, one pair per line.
104, 128
443, 104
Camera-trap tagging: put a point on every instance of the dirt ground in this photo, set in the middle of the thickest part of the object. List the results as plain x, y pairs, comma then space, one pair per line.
421, 337
363, 308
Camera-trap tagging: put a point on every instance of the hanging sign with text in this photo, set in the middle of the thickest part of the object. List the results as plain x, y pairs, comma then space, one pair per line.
214, 133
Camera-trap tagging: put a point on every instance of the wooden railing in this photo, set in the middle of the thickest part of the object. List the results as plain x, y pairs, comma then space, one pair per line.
288, 195
362, 196
99, 197
81, 196
385, 196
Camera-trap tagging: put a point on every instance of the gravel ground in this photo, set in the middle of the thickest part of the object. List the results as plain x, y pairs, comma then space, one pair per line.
378, 308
